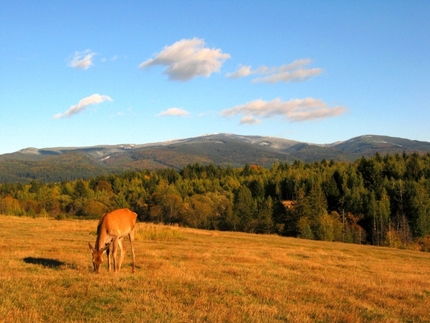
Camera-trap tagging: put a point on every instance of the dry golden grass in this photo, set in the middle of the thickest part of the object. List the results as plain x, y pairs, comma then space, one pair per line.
187, 275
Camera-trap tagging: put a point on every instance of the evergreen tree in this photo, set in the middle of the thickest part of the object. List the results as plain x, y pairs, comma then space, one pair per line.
245, 209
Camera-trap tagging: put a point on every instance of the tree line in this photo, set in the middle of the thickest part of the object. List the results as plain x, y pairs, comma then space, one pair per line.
379, 200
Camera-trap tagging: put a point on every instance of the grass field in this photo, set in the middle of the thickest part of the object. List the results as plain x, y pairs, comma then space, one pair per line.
186, 275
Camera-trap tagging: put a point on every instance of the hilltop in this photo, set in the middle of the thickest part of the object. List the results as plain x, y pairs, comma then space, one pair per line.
68, 163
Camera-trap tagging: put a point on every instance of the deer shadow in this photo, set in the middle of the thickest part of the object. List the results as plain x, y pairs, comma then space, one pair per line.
45, 262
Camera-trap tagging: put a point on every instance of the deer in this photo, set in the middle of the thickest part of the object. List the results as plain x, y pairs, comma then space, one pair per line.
112, 228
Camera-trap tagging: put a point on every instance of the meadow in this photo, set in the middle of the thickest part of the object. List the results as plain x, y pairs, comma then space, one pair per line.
189, 275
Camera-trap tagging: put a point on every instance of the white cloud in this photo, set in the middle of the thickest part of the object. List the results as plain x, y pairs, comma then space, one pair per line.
294, 72
241, 72
177, 112
82, 60
293, 110
187, 59
112, 59
83, 104
249, 120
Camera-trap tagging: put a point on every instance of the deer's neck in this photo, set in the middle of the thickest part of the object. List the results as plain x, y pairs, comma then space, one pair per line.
103, 238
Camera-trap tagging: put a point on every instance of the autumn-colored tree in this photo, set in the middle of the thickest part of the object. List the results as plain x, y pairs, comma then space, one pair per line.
384, 200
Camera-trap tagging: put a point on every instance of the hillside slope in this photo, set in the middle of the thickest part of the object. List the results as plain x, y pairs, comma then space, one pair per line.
189, 275
67, 163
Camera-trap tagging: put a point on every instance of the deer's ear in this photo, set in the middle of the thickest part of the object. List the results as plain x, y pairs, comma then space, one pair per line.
105, 248
91, 247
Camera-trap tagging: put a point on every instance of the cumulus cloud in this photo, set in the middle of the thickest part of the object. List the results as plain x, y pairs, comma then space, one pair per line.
249, 120
177, 112
83, 104
297, 71
82, 60
241, 72
187, 59
293, 110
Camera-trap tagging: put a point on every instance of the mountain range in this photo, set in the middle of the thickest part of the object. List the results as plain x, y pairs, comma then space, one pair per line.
69, 163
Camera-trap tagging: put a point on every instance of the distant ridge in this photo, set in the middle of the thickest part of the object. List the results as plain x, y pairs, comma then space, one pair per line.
68, 163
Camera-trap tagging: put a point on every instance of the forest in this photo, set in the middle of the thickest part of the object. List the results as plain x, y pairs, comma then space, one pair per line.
377, 200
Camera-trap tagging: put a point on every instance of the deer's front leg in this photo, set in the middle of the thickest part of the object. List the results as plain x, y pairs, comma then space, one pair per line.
114, 253
108, 257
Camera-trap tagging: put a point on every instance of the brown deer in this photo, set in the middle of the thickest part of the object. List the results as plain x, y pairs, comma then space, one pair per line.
111, 230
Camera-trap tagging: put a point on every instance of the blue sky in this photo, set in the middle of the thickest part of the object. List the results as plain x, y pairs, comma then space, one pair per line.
82, 73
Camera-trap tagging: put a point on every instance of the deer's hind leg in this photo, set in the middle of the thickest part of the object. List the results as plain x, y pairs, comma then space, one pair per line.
131, 236
123, 250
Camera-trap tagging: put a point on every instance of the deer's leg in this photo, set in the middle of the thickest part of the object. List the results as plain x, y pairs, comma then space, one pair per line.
131, 236
114, 252
123, 250
109, 256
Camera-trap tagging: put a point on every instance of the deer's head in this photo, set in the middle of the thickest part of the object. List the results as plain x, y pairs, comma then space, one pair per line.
97, 257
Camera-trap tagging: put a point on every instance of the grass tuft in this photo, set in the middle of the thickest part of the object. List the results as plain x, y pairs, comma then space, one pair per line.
148, 231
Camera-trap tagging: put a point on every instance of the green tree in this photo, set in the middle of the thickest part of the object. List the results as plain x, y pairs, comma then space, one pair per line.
81, 189
414, 167
264, 216
305, 228
419, 208
328, 227
317, 201
199, 211
244, 207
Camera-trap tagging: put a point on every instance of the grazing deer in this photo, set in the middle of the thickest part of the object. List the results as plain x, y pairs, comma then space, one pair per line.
111, 230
